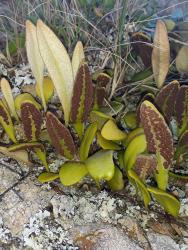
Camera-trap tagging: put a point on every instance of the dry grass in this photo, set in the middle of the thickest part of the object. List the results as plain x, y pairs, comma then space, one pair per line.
103, 31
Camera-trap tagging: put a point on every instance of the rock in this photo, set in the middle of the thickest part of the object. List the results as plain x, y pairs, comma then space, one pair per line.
86, 208
184, 207
17, 206
103, 237
35, 216
3, 69
43, 232
7, 177
162, 242
134, 230
163, 228
180, 229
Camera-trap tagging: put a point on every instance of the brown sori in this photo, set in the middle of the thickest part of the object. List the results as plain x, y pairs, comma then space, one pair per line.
3, 113
30, 117
100, 95
158, 135
82, 99
142, 46
60, 136
148, 97
166, 98
181, 105
145, 165
183, 141
103, 80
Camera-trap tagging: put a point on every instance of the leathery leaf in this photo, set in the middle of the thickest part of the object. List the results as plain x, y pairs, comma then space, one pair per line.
40, 152
170, 204
6, 122
60, 136
79, 128
34, 57
181, 60
44, 136
101, 89
58, 64
117, 182
100, 165
102, 79
130, 120
72, 172
106, 144
37, 147
145, 165
141, 186
31, 119
159, 141
120, 156
82, 98
166, 98
25, 97
77, 57
110, 131
183, 140
181, 149
20, 155
137, 146
47, 176
7, 93
142, 46
99, 117
87, 141
48, 88
99, 96
149, 97
130, 136
160, 53
181, 109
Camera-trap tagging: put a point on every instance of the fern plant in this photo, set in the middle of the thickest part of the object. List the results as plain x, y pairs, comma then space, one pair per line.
91, 140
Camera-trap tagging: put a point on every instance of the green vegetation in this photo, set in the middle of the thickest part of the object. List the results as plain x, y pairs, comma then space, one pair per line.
109, 147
